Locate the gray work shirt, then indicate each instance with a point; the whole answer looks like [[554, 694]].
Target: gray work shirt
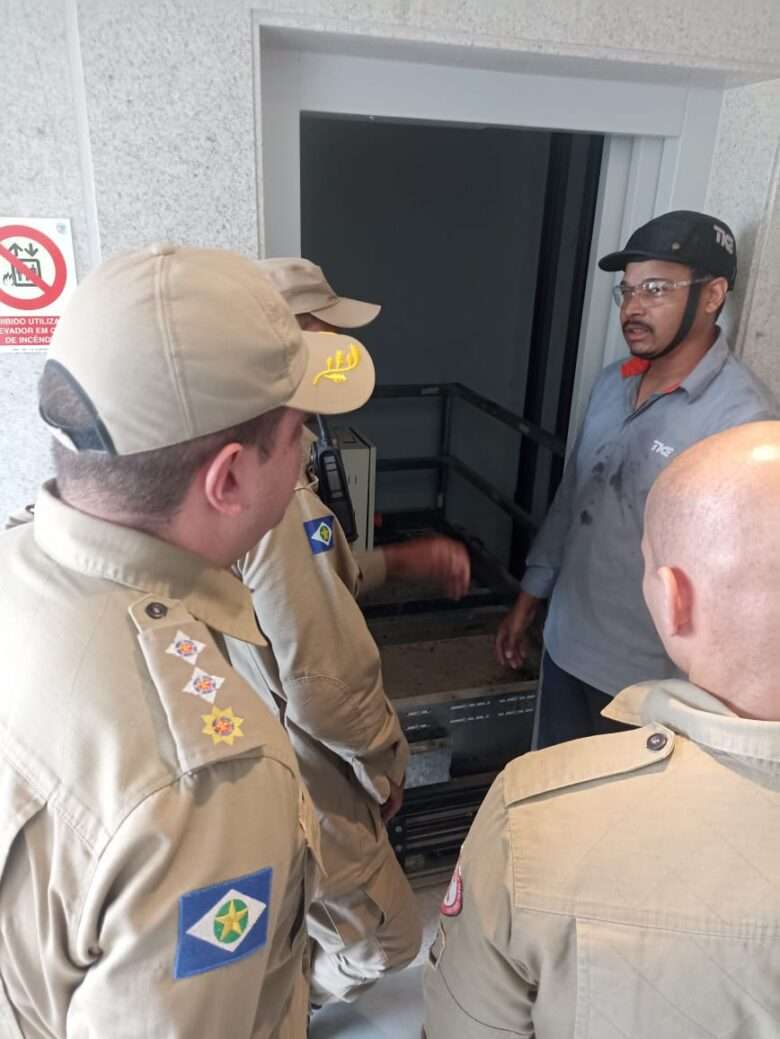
[[587, 555]]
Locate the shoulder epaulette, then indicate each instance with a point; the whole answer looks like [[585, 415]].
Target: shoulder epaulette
[[582, 761], [212, 712]]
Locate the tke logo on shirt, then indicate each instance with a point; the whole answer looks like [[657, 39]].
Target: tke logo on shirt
[[662, 449]]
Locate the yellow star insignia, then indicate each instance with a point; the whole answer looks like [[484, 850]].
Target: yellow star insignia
[[231, 921], [222, 725]]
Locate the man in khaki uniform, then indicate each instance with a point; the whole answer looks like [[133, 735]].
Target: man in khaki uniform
[[157, 843], [629, 884], [325, 679]]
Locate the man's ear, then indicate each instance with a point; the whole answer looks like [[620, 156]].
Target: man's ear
[[221, 483], [715, 295], [676, 604]]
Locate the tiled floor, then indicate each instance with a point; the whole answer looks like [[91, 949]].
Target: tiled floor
[[393, 1008]]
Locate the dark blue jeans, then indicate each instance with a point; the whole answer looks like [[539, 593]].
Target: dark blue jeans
[[569, 708]]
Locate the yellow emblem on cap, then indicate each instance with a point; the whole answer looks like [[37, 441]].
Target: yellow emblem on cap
[[339, 365], [222, 725]]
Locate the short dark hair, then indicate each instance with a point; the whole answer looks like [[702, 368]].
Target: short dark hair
[[150, 485]]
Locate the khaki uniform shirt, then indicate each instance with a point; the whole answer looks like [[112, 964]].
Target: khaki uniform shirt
[[625, 885], [153, 829], [324, 676], [20, 517]]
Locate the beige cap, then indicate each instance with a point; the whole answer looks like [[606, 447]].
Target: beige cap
[[171, 343], [306, 291]]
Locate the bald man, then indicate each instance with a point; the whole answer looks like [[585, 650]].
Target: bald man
[[629, 884]]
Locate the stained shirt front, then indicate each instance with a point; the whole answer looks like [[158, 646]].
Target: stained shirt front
[[587, 557]]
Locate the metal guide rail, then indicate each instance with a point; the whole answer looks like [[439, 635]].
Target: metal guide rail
[[495, 581], [464, 715]]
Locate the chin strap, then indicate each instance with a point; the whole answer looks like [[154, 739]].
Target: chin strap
[[694, 294]]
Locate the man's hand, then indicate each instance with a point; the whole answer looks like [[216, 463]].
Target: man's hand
[[438, 559], [392, 805], [512, 642]]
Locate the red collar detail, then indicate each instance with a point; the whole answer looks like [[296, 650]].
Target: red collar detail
[[634, 366]]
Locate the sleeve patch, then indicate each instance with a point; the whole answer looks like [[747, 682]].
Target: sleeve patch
[[320, 534], [222, 923], [452, 905]]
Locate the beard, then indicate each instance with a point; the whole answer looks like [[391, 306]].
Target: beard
[[639, 347]]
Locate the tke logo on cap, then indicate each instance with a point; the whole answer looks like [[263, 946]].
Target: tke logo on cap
[[724, 239]]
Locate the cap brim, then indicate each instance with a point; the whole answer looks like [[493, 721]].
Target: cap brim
[[348, 313], [339, 375], [618, 261]]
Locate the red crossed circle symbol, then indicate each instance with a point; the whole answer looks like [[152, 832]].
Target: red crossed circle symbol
[[49, 293]]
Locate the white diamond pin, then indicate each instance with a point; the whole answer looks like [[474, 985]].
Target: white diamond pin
[[204, 685], [186, 648]]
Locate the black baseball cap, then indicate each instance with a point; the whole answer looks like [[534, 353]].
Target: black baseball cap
[[683, 236]]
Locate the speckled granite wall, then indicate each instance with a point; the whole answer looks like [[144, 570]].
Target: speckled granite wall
[[759, 335], [743, 191], [171, 118], [41, 177], [136, 120]]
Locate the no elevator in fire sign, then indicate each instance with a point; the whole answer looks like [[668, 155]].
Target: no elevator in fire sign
[[37, 274]]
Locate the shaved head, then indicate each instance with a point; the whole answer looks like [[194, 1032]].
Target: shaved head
[[719, 502], [712, 555]]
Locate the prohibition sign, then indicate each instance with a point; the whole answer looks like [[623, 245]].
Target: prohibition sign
[[49, 293]]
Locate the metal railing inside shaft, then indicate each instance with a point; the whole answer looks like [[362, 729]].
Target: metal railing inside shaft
[[446, 462]]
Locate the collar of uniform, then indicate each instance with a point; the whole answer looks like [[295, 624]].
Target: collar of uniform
[[707, 369], [137, 560], [307, 481], [694, 384], [634, 366], [699, 715]]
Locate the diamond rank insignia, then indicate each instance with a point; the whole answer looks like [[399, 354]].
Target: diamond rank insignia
[[320, 534], [186, 648], [203, 684], [222, 725], [222, 923]]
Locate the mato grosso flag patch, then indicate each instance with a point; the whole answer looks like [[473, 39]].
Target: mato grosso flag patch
[[320, 534], [223, 923]]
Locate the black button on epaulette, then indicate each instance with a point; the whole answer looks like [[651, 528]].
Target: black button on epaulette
[[156, 610], [657, 741]]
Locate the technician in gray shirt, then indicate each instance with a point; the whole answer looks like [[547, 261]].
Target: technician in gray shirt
[[681, 384]]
